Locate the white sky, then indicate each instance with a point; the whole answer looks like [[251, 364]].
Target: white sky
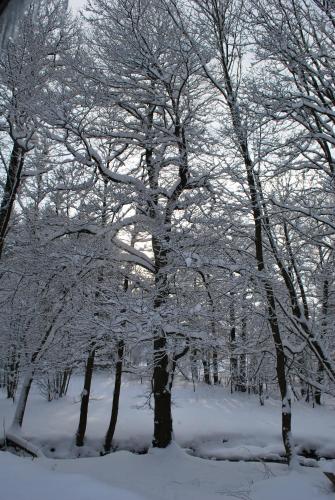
[[76, 4]]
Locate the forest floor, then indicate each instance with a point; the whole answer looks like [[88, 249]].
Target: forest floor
[[209, 423]]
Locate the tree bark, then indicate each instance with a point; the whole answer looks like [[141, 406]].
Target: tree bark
[[231, 96], [66, 375], [162, 395], [10, 190], [12, 372], [85, 398], [243, 358], [116, 397], [22, 401], [325, 303], [233, 357], [215, 367], [194, 365], [205, 363]]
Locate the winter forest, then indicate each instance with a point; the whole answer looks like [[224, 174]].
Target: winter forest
[[167, 222]]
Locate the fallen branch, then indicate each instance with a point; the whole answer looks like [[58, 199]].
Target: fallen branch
[[331, 476], [21, 444]]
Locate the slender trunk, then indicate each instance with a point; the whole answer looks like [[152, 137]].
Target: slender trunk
[[243, 358], [213, 333], [22, 401], [231, 95], [300, 315], [66, 376], [318, 392], [215, 367], [272, 312], [10, 190], [194, 365], [233, 357], [281, 375], [270, 298], [85, 398], [325, 302], [116, 396], [205, 363], [175, 358], [261, 392], [37, 354], [12, 373], [267, 285], [85, 395], [226, 85]]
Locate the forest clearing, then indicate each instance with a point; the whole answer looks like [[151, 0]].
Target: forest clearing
[[225, 446]]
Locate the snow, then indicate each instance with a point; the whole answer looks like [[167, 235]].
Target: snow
[[293, 486], [168, 474], [23, 479], [210, 423]]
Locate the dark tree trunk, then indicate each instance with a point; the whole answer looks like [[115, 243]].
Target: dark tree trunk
[[261, 392], [318, 392], [325, 303], [65, 382], [3, 6], [116, 397], [161, 248], [175, 358], [162, 395], [10, 190], [205, 280], [281, 374], [85, 398], [12, 373], [233, 357], [207, 375], [160, 378], [231, 95], [194, 365], [161, 374], [215, 367], [243, 358]]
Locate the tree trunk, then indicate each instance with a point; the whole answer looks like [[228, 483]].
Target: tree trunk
[[162, 395], [161, 249], [230, 93], [10, 190], [318, 392], [12, 373], [116, 397], [66, 375], [194, 365], [243, 358], [175, 358], [25, 389], [22, 401], [85, 398], [215, 367], [233, 357], [325, 303], [207, 375]]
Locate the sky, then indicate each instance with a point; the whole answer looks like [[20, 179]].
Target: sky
[[76, 4]]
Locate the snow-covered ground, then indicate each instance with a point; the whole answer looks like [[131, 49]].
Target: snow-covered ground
[[211, 421], [168, 474]]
